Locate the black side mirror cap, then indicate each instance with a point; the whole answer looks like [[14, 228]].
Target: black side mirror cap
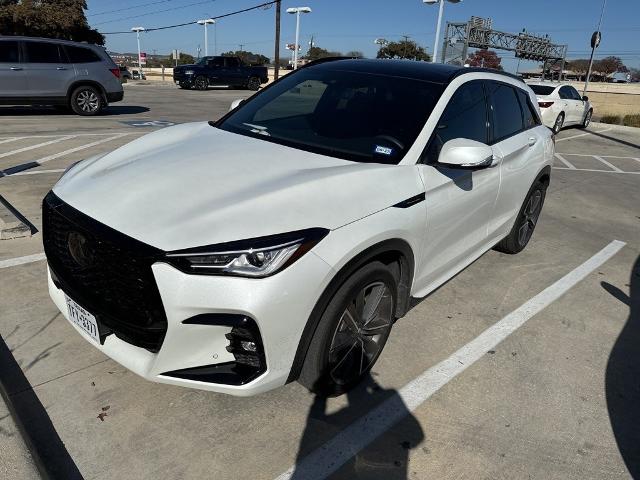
[[585, 98]]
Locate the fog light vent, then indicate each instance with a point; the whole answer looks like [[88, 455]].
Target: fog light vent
[[246, 345]]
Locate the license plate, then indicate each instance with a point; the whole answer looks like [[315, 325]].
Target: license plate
[[83, 319]]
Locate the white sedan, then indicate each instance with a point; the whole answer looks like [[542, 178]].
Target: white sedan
[[282, 241], [561, 105]]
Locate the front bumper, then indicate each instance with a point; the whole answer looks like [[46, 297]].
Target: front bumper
[[280, 306]]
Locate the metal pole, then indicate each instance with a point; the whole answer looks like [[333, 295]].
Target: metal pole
[[593, 49], [295, 49], [215, 38], [139, 59], [206, 41], [276, 60], [435, 43]]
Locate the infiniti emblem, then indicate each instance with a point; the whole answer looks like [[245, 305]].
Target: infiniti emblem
[[79, 249]]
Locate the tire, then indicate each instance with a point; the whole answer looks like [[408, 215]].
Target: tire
[[86, 101], [201, 83], [557, 125], [526, 220], [342, 350], [253, 84], [587, 119]]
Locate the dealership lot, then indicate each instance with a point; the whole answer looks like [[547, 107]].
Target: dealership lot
[[556, 399]]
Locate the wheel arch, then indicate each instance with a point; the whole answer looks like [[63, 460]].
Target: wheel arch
[[544, 176], [87, 83], [394, 252]]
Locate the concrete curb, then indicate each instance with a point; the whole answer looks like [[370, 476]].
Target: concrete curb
[[616, 128]]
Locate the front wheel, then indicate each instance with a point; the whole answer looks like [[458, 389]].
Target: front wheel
[[587, 119], [352, 331], [201, 83], [253, 83], [557, 125], [526, 220]]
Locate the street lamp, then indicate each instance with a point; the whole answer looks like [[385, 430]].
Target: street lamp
[[435, 43], [205, 22], [138, 30], [297, 11]]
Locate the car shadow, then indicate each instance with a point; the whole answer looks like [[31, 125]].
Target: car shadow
[[111, 110], [613, 139], [622, 380], [391, 462]]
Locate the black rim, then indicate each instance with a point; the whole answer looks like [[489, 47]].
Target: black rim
[[201, 83], [361, 333], [530, 217]]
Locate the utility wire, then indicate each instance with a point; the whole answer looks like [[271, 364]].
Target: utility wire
[[195, 21], [128, 8], [155, 12]]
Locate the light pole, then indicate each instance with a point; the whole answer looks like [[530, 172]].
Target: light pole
[[297, 11], [595, 42], [138, 30], [440, 12], [205, 22]]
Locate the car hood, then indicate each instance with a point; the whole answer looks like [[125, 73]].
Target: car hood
[[193, 184]]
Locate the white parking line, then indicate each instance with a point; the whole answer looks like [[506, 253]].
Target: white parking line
[[563, 160], [12, 262], [81, 147], [583, 134], [11, 139], [38, 145], [328, 458], [591, 155], [611, 166], [37, 172], [595, 170]]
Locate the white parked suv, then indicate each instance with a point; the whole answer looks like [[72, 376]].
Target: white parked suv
[[283, 241], [561, 105]]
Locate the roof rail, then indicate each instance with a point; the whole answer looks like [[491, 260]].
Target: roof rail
[[464, 70]]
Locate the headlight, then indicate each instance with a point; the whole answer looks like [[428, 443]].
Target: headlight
[[188, 72], [257, 257]]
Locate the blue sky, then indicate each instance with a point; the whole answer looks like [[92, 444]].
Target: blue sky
[[354, 24]]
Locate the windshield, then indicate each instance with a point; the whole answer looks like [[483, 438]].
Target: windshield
[[356, 116], [542, 89]]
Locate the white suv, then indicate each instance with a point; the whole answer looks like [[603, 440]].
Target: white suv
[[284, 240]]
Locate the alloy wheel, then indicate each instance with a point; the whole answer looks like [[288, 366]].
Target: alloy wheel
[[558, 125], [587, 119], [530, 217], [88, 101], [201, 83], [361, 333]]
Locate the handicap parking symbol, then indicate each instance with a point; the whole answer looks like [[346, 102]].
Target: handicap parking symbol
[[148, 123]]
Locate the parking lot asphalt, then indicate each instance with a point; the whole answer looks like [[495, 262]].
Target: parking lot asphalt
[[556, 399]]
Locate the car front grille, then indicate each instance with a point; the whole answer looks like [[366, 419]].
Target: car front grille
[[107, 272]]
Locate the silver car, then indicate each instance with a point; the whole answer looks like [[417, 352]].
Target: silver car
[[44, 71]]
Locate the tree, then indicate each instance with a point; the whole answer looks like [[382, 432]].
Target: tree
[[609, 65], [403, 49], [48, 18], [316, 53], [185, 59], [580, 67], [485, 59], [354, 54], [249, 58]]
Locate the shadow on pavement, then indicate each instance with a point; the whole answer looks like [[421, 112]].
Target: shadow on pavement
[[623, 377], [389, 462], [39, 434], [111, 110], [613, 139]]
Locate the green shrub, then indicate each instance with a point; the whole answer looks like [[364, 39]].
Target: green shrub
[[632, 120], [614, 119]]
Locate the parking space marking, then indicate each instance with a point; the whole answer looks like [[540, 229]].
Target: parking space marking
[[12, 262], [595, 170], [81, 147], [39, 172], [328, 458], [583, 134], [26, 137], [563, 160], [37, 145], [611, 166], [11, 139]]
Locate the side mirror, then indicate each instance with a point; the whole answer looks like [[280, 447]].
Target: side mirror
[[465, 153], [585, 98], [236, 103]]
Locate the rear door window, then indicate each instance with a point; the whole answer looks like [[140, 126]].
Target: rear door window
[[506, 115], [43, 52], [575, 94], [81, 54], [565, 93], [231, 62], [9, 52]]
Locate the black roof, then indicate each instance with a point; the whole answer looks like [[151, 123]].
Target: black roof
[[416, 70]]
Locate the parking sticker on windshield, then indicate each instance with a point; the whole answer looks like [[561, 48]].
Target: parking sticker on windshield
[[383, 150]]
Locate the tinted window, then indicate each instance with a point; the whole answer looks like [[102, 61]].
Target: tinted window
[[542, 89], [232, 62], [9, 52], [42, 52], [529, 116], [565, 93], [81, 55], [507, 116], [464, 117], [575, 94], [216, 62], [350, 115]]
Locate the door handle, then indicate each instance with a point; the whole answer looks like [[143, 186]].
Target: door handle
[[61, 68], [532, 141], [15, 69]]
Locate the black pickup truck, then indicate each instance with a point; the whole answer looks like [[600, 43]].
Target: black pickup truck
[[219, 71]]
